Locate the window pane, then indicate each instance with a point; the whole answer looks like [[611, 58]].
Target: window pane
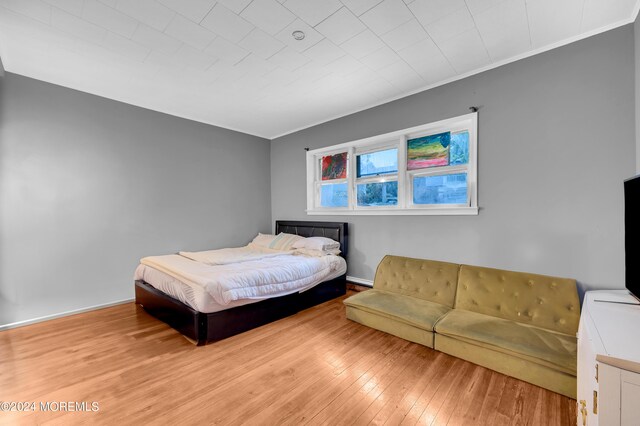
[[334, 195], [459, 150], [378, 194], [443, 189], [334, 166], [428, 151], [377, 163]]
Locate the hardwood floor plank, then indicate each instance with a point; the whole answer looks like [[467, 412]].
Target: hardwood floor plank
[[296, 372], [467, 410], [325, 392], [251, 376], [488, 410], [447, 394], [390, 400], [470, 412], [312, 396], [425, 379], [315, 367], [413, 416], [394, 391], [510, 404], [568, 412], [358, 396], [529, 403]]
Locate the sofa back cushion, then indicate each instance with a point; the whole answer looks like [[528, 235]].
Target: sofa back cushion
[[539, 300], [423, 279]]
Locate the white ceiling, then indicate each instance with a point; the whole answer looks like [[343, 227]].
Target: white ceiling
[[234, 63]]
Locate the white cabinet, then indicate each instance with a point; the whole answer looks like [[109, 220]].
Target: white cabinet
[[588, 346], [609, 359], [630, 397]]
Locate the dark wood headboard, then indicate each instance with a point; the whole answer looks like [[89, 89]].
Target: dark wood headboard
[[338, 231]]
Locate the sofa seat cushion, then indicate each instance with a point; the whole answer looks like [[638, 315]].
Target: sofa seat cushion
[[545, 347], [410, 310]]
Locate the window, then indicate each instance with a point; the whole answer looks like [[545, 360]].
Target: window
[[429, 169], [377, 177], [378, 163], [334, 190]]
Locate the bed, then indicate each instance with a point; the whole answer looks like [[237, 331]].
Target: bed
[[239, 316]]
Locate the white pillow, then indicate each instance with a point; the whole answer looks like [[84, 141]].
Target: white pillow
[[317, 253], [317, 243], [263, 240], [284, 241]]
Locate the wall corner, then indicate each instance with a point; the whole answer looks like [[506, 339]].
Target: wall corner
[[636, 51]]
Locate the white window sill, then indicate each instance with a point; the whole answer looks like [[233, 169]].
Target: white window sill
[[444, 211]]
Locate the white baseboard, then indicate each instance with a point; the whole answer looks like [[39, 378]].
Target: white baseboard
[[360, 281], [62, 314]]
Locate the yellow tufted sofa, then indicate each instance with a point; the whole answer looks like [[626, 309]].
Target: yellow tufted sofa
[[519, 324]]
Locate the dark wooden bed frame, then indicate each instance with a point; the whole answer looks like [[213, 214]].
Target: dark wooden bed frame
[[202, 328]]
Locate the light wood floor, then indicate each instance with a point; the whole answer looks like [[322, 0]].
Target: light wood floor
[[313, 368]]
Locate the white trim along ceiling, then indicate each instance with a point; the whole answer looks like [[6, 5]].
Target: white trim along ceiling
[[236, 64]]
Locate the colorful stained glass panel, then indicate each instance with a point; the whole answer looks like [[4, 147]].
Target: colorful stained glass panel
[[334, 166], [428, 151]]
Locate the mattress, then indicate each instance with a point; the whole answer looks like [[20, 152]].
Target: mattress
[[199, 299]]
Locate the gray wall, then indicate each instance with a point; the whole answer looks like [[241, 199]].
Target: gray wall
[[88, 186], [556, 140], [1, 68], [636, 34]]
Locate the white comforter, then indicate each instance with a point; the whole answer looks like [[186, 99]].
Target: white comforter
[[266, 277], [226, 256]]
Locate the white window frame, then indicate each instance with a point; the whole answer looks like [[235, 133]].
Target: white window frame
[[398, 139], [367, 149]]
